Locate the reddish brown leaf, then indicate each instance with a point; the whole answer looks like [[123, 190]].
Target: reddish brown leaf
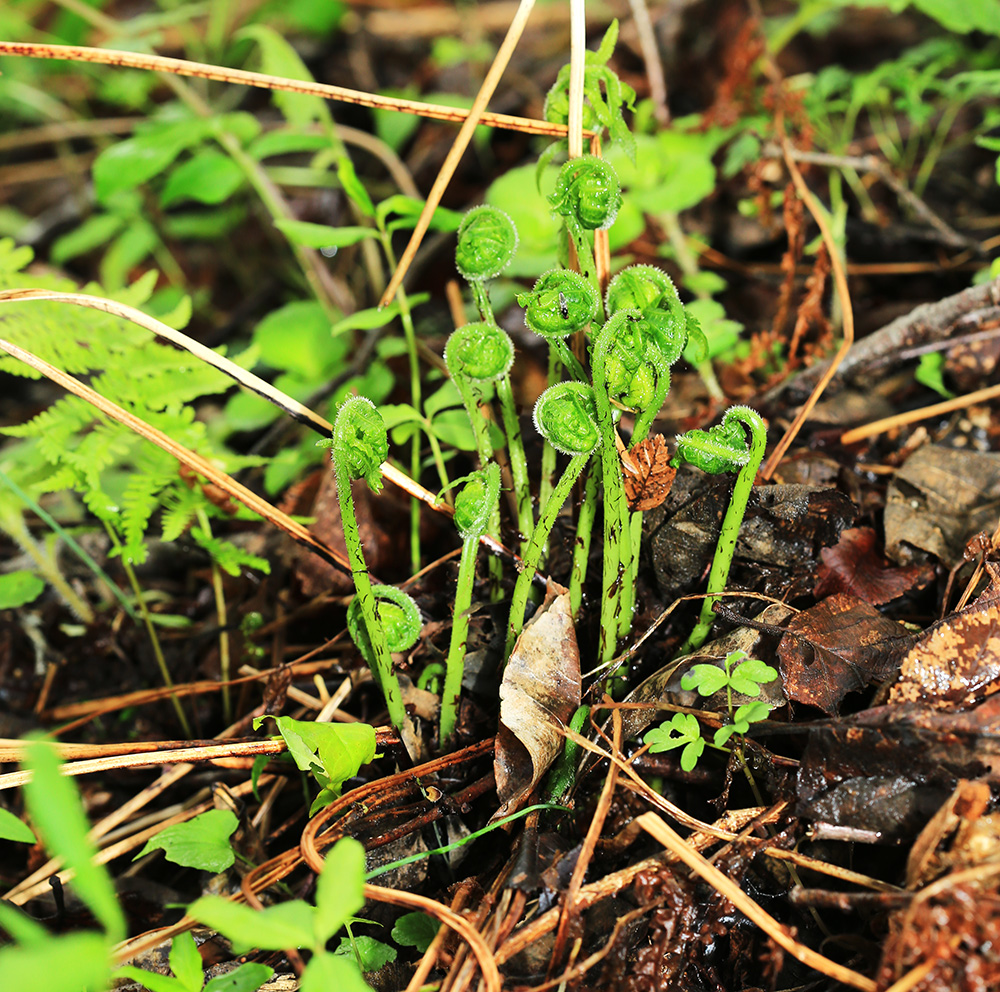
[[853, 566], [648, 473], [956, 661], [842, 645]]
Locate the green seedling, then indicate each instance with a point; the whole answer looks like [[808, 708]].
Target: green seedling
[[588, 197], [201, 842], [566, 417], [724, 448], [637, 371], [339, 896], [330, 752], [739, 674], [474, 507], [359, 446]]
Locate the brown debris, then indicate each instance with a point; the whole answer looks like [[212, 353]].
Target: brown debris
[[648, 474]]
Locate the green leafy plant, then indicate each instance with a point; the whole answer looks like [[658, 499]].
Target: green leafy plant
[[724, 448], [739, 674], [201, 842], [331, 752], [339, 896]]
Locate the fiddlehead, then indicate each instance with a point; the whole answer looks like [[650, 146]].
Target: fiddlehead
[[724, 448], [474, 508], [359, 446], [566, 415], [479, 351], [560, 303], [398, 615], [487, 241]]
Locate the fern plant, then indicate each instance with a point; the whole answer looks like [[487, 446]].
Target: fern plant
[[122, 480]]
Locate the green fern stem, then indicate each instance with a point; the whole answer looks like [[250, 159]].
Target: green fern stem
[[539, 536], [220, 610], [731, 523], [518, 460], [584, 533], [382, 670], [455, 662]]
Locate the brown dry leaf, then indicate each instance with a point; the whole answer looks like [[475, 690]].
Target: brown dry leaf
[[648, 473], [538, 695], [939, 499], [853, 566], [843, 644], [956, 661]]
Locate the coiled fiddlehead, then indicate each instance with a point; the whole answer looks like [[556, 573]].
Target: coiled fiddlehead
[[398, 615], [566, 416], [487, 241], [359, 446], [480, 353], [474, 508], [588, 197], [560, 303], [724, 448]]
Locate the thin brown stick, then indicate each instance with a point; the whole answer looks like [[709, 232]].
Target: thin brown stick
[[243, 77], [923, 413], [462, 139], [651, 58], [726, 887]]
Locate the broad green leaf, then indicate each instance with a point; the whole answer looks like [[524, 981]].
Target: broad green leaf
[[373, 954], [246, 978], [415, 930], [278, 58], [61, 964], [353, 186], [289, 924], [94, 232], [134, 161], [537, 230], [372, 317], [202, 842], [16, 589], [327, 972], [707, 679], [287, 141], [185, 962], [340, 888], [394, 414], [444, 398], [296, 338], [209, 176], [302, 232], [57, 814]]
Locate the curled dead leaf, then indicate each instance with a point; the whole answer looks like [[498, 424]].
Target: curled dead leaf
[[648, 474]]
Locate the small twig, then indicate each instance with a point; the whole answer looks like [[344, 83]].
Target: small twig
[[923, 413], [651, 57], [462, 139]]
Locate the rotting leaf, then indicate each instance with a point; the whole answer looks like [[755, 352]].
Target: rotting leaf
[[853, 566], [843, 644], [956, 661], [938, 500], [539, 692], [648, 474]]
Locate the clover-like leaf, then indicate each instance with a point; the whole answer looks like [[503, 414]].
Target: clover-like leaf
[[707, 679], [746, 677], [682, 730]]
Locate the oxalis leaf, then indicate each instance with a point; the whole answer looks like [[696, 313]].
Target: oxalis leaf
[[682, 730], [202, 842]]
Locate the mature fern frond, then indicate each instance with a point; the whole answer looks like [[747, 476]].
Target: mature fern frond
[[121, 478]]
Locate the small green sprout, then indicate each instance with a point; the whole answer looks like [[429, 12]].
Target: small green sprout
[[566, 417], [724, 448], [739, 674], [474, 507], [359, 446]]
